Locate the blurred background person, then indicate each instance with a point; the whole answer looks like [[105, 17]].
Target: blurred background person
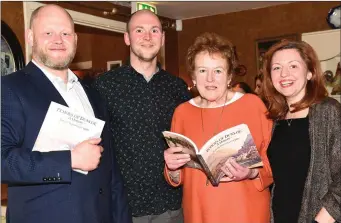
[[245, 196], [242, 87], [305, 150], [258, 83]]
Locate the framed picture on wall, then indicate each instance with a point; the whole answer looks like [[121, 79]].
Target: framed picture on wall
[[333, 79], [12, 57], [113, 64], [262, 45]]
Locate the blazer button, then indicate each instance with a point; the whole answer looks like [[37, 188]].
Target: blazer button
[[49, 179], [44, 179], [100, 191], [54, 179], [59, 178]]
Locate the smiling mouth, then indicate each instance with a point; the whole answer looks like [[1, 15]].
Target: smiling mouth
[[285, 84], [58, 49], [147, 46], [211, 87]]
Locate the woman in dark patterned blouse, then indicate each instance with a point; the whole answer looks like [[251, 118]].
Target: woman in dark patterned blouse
[[304, 153]]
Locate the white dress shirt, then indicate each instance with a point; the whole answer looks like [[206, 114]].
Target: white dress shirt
[[72, 92]]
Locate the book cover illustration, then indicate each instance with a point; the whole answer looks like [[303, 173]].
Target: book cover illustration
[[187, 145], [238, 145], [233, 143]]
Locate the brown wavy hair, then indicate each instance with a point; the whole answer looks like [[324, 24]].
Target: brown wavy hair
[[315, 89], [259, 77], [213, 44]]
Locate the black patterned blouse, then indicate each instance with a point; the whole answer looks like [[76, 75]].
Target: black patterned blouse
[[140, 111]]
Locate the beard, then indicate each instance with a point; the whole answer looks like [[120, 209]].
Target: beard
[[56, 64], [144, 56]]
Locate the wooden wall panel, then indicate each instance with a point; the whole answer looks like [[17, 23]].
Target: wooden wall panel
[[12, 14], [171, 52], [99, 46], [244, 27], [84, 49], [108, 46]]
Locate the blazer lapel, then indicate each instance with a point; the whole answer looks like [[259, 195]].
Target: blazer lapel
[[43, 84], [47, 90]]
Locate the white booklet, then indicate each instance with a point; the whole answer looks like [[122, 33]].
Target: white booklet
[[63, 128]]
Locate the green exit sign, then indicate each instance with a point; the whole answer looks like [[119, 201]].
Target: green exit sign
[[146, 6]]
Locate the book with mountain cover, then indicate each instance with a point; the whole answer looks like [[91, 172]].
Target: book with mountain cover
[[235, 142]]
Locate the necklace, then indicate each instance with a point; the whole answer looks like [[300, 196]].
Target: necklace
[[289, 122], [219, 119], [217, 127]]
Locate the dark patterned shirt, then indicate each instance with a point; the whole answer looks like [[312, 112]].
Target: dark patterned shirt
[[140, 111]]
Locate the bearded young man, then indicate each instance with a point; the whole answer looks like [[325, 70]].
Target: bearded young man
[[42, 187], [142, 98]]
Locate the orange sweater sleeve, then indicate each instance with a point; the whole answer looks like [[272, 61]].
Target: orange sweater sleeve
[[169, 180], [175, 127], [265, 174]]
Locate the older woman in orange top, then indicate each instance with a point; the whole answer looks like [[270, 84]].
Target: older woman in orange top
[[244, 196]]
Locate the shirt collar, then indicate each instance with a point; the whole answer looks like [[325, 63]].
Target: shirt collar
[[158, 65], [72, 78], [158, 68]]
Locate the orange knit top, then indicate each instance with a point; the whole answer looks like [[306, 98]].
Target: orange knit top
[[246, 201]]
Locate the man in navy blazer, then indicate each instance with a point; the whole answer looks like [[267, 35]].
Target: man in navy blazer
[[42, 187]]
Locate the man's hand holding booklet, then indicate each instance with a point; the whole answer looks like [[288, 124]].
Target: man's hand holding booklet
[[64, 128]]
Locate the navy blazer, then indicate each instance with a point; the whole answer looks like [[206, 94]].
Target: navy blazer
[[42, 186]]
